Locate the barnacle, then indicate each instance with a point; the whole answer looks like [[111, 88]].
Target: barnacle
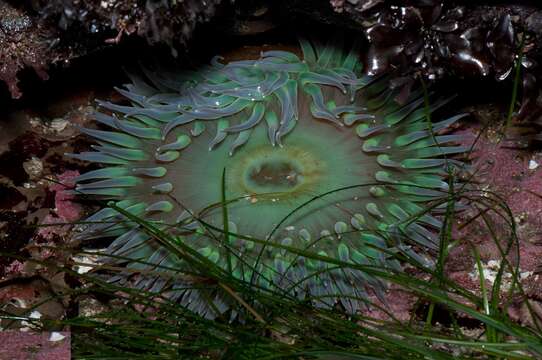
[[308, 134]]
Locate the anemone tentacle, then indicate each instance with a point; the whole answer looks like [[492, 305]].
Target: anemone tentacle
[[286, 130]]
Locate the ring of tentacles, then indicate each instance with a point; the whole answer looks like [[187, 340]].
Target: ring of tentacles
[[309, 153]]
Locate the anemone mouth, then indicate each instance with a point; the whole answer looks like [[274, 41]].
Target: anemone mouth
[[279, 173], [274, 175], [316, 157]]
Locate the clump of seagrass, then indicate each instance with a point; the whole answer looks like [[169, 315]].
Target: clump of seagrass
[[286, 130]]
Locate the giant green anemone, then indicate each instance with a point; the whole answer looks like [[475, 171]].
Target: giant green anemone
[[309, 155]]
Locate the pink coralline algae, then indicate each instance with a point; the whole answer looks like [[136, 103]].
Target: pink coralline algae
[[65, 207], [15, 267], [507, 173], [67, 210]]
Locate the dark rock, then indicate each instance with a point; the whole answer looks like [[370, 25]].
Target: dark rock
[[41, 33], [9, 197], [15, 233]]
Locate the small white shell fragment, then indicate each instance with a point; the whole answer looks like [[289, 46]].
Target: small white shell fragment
[[533, 165], [56, 336], [35, 315]]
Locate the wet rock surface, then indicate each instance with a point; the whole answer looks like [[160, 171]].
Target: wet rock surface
[[465, 38], [23, 44], [44, 35]]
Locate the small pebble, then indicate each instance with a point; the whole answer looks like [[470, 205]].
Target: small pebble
[[533, 165], [58, 125], [33, 167]]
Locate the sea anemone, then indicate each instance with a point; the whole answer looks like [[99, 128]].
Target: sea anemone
[[309, 155]]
